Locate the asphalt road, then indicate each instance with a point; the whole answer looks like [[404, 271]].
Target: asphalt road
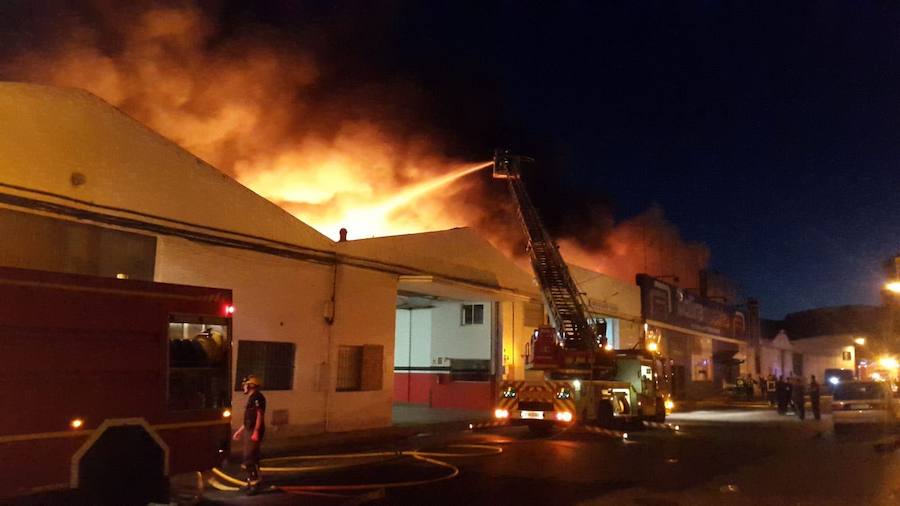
[[718, 457]]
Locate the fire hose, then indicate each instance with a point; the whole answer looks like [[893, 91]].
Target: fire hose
[[424, 456]]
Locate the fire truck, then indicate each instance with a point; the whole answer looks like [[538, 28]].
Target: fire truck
[[108, 386], [573, 375]]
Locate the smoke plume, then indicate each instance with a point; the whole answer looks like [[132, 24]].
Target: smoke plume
[[271, 109]]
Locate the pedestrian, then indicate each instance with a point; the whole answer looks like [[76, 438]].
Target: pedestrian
[[253, 430], [798, 392], [814, 392], [748, 387], [789, 392], [770, 389], [781, 397]]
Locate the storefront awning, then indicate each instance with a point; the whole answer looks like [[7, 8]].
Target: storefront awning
[[727, 357]]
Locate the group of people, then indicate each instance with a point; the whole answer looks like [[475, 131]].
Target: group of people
[[790, 395], [786, 393]]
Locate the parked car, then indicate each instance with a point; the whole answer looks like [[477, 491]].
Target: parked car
[[864, 402]]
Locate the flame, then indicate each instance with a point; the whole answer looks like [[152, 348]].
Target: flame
[[380, 216]]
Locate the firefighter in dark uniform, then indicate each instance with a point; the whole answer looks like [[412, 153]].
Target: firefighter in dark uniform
[[253, 430], [814, 394]]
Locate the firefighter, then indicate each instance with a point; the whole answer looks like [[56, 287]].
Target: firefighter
[[814, 392], [253, 430], [798, 392], [781, 395]]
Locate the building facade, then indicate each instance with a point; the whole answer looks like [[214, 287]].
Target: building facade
[[848, 338], [706, 342]]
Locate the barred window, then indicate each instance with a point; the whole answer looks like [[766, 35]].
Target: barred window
[[271, 362], [472, 314], [360, 368]]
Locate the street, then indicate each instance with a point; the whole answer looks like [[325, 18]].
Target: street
[[717, 457]]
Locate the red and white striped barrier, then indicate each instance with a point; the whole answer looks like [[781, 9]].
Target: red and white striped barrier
[[657, 425], [606, 432], [487, 425]]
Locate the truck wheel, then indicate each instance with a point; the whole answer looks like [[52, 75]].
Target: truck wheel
[[660, 416], [605, 416]]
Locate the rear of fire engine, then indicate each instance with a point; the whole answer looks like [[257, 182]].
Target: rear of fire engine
[[109, 385], [574, 376]]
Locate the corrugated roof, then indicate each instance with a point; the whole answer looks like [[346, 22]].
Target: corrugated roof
[[49, 133], [458, 253]]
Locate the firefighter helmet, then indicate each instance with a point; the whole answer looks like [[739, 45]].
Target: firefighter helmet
[[251, 380]]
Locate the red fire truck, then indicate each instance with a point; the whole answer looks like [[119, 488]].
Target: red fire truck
[[108, 386], [574, 375]]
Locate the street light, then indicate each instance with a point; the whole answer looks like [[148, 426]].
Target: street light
[[860, 341], [893, 287]]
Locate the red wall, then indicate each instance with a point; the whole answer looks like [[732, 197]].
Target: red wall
[[437, 391]]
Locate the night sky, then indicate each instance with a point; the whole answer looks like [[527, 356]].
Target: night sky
[[767, 130]]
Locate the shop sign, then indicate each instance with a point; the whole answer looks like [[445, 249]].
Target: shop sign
[[667, 303]]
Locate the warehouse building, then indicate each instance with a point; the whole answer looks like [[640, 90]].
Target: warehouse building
[[86, 189]]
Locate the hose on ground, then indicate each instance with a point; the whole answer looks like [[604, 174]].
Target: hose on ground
[[424, 456]]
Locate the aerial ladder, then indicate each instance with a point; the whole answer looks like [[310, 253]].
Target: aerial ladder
[[583, 378]]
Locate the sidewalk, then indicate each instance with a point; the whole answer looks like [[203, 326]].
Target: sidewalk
[[408, 420], [731, 403], [719, 403]]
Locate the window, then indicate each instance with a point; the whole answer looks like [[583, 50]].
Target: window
[[198, 364], [271, 362], [472, 314], [470, 369], [360, 368]]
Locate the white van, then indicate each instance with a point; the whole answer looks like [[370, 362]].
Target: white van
[[864, 402]]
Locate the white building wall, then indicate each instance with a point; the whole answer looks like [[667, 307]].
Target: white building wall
[[816, 364], [416, 323], [775, 361], [452, 339], [826, 352], [285, 300], [364, 313]]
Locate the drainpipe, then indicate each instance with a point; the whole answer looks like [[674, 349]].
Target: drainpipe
[[409, 359], [329, 320]]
